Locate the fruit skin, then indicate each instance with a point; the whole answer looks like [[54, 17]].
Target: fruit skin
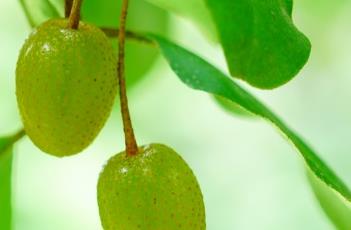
[[154, 190], [65, 84]]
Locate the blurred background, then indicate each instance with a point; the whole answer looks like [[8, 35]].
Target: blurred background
[[250, 176]]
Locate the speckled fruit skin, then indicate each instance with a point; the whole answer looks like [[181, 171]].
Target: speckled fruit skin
[[65, 84], [154, 190]]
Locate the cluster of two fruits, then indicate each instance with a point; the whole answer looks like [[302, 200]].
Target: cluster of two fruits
[[66, 84]]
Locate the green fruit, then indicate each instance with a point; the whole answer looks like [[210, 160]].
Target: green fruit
[[154, 190], [65, 84]]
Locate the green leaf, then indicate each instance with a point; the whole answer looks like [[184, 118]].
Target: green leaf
[[5, 183], [231, 107], [39, 11], [199, 74], [335, 206], [261, 44], [195, 10], [142, 16]]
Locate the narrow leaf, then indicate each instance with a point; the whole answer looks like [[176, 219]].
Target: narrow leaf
[[335, 206], [199, 74], [39, 11], [261, 44], [5, 183]]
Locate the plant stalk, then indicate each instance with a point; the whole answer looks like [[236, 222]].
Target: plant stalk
[[68, 7], [74, 17], [130, 142], [12, 140]]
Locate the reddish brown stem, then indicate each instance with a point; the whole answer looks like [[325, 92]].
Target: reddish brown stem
[[74, 17], [68, 7], [131, 145]]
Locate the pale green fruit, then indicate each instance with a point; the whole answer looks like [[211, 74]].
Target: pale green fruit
[[154, 190], [65, 84]]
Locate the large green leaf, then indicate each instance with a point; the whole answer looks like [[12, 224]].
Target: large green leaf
[[195, 10], [199, 74], [261, 44], [38, 11], [142, 16], [5, 183], [335, 206]]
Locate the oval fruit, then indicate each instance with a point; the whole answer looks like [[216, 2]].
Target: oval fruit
[[155, 190], [65, 84]]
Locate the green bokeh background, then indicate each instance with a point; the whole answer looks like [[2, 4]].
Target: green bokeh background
[[250, 177]]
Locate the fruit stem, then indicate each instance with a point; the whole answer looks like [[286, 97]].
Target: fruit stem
[[131, 145], [68, 7], [73, 21]]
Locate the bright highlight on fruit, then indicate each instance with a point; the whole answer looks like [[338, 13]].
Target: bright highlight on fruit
[[65, 85], [154, 189]]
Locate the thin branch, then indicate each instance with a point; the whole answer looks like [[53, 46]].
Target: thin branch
[[131, 145], [12, 140], [74, 17], [113, 32], [68, 7]]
